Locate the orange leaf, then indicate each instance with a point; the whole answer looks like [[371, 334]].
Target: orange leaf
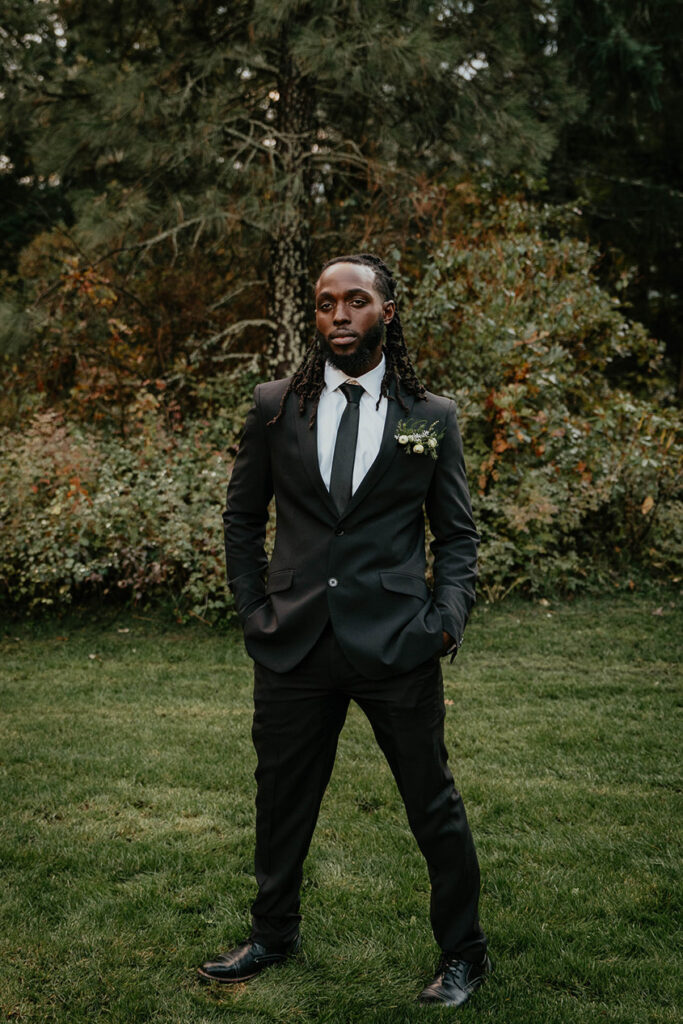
[[647, 504]]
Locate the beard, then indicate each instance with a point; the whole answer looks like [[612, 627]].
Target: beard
[[356, 363]]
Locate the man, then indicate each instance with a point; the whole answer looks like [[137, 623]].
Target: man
[[353, 448]]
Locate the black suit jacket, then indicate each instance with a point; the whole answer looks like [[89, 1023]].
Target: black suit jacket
[[365, 569]]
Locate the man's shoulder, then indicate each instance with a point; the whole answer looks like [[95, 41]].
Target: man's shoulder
[[435, 405], [268, 394], [273, 388]]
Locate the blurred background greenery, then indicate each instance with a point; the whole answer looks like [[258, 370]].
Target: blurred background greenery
[[172, 175]]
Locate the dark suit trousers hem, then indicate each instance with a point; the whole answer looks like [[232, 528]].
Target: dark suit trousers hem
[[298, 716]]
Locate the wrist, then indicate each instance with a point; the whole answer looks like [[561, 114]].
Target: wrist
[[450, 645]]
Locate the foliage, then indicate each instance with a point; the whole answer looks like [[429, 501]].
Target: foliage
[[169, 128], [623, 158], [90, 345], [171, 175], [573, 452], [90, 516], [193, 154], [575, 466]]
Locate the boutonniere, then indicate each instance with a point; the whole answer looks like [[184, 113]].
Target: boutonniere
[[416, 436]]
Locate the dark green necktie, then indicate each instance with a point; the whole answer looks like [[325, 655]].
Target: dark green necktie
[[341, 480]]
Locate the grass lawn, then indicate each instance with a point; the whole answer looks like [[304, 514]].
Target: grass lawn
[[126, 831]]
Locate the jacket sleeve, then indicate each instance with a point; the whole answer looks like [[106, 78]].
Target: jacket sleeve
[[246, 514], [455, 538]]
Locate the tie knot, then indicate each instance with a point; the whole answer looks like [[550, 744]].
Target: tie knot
[[352, 392]]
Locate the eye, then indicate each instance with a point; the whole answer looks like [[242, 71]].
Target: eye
[[324, 306], [358, 302]]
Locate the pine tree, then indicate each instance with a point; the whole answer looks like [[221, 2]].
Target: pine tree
[[179, 124], [624, 157], [29, 203]]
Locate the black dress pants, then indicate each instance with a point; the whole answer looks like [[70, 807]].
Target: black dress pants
[[298, 716]]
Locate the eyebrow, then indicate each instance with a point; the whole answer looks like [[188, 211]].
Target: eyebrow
[[351, 291]]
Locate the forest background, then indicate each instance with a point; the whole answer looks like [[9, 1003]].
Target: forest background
[[172, 176]]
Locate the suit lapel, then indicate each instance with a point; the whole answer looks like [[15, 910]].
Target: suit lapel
[[308, 448], [387, 451]]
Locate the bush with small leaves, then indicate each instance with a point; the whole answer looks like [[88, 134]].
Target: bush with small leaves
[[573, 451], [90, 516]]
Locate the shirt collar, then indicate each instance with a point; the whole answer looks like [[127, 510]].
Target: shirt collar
[[371, 381]]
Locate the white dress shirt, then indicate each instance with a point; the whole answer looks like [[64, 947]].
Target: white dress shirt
[[370, 421]]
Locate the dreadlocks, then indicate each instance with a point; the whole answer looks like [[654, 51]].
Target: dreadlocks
[[308, 379]]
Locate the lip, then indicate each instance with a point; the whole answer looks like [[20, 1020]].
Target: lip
[[342, 339]]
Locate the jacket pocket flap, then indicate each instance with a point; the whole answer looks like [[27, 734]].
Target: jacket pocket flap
[[280, 580], [402, 584]]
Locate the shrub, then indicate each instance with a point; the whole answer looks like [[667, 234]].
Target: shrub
[[86, 515], [574, 456], [573, 477]]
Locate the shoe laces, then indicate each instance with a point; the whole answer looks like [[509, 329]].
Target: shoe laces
[[449, 960]]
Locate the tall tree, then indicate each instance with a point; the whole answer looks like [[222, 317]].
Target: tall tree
[[29, 202], [167, 122], [624, 157]]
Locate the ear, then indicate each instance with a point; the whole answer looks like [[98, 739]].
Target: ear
[[388, 310]]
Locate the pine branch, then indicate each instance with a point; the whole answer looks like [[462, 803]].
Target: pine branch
[[225, 299], [231, 331]]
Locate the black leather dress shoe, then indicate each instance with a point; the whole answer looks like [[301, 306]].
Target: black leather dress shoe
[[246, 961], [455, 981]]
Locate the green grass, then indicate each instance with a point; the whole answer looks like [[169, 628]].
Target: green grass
[[126, 836]]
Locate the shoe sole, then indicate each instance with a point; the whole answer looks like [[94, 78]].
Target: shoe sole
[[203, 976], [226, 981]]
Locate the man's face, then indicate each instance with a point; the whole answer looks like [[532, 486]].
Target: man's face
[[350, 317]]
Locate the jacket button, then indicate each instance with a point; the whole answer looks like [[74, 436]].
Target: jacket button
[[333, 582], [339, 532]]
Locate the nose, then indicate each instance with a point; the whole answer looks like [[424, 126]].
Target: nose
[[340, 315]]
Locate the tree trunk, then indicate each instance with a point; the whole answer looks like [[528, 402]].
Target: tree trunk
[[291, 307], [290, 288]]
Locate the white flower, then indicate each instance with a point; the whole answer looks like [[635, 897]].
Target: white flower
[[416, 436]]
